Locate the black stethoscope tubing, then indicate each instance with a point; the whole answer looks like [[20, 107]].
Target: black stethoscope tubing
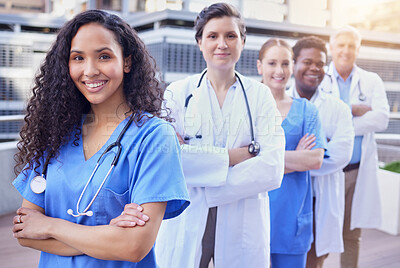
[[198, 136], [117, 144]]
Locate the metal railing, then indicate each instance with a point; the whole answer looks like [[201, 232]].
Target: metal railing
[[12, 118]]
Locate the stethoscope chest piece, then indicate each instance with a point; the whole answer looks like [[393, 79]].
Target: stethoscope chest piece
[[38, 184], [362, 97]]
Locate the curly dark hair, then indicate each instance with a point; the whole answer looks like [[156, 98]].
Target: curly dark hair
[[309, 42], [55, 110]]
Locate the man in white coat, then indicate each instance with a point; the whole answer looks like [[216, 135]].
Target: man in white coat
[[364, 92], [310, 56]]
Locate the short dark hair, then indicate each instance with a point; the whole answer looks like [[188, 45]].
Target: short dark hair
[[218, 10], [309, 42]]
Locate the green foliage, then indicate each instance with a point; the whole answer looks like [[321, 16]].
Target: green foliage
[[393, 166]]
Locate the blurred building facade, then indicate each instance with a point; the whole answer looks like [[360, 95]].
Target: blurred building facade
[[305, 12], [166, 26], [383, 15], [22, 6], [373, 15]]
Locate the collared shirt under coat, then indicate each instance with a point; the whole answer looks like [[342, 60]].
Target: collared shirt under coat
[[366, 207]]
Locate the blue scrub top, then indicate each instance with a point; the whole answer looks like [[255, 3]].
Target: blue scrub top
[[291, 204], [149, 170]]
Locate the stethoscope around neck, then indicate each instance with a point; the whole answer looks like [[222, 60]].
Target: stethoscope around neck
[[361, 95], [254, 147], [38, 184]]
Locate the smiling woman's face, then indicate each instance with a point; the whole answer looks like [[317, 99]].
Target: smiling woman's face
[[96, 64], [276, 67]]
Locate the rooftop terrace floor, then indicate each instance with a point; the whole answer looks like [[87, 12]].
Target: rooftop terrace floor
[[378, 250]]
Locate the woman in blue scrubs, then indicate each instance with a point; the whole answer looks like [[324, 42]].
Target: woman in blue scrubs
[[97, 86], [291, 204]]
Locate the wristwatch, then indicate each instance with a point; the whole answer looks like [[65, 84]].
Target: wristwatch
[[254, 148]]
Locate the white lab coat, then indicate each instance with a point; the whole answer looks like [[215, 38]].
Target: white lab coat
[[336, 120], [366, 207], [239, 192]]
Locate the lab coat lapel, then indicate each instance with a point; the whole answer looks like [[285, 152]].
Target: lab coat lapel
[[198, 117], [319, 98], [333, 87], [292, 92], [354, 90], [239, 124]]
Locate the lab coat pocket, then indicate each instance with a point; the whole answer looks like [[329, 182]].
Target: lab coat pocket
[[255, 229], [109, 205], [304, 224]]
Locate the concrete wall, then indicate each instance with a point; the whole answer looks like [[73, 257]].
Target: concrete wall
[[389, 187], [10, 199], [388, 147]]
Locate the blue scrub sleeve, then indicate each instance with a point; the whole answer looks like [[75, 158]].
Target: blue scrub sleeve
[[158, 173], [22, 184], [313, 126]]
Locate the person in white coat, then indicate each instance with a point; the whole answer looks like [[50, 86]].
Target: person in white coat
[[328, 181], [227, 180], [229, 160], [364, 92]]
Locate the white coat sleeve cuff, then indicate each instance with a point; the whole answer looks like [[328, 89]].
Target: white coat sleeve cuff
[[205, 166]]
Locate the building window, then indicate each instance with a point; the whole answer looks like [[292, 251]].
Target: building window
[[115, 5]]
